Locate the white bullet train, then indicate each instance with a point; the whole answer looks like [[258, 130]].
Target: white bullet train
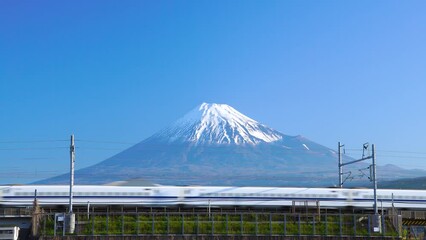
[[200, 196]]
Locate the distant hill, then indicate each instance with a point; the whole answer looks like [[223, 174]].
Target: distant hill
[[214, 144], [406, 183]]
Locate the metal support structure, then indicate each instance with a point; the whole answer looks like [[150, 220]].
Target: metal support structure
[[209, 209], [377, 222], [71, 216], [72, 161], [373, 178], [88, 209], [340, 164]]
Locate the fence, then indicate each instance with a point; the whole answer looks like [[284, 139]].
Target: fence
[[219, 224]]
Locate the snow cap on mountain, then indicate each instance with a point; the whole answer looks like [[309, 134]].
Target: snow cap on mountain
[[211, 123]]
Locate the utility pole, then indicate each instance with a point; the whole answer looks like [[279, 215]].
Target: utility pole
[[339, 146], [72, 161], [71, 216], [35, 220], [376, 213]]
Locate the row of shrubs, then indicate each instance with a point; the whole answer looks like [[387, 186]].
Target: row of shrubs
[[218, 224]]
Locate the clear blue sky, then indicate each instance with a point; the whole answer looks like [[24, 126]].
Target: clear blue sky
[[349, 71]]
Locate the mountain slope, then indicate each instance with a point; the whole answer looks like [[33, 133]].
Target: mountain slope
[[214, 144]]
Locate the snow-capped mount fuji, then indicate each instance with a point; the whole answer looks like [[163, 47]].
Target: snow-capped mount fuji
[[214, 144], [217, 124]]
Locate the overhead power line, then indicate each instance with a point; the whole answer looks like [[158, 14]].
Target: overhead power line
[[388, 151], [106, 142], [34, 141], [32, 148]]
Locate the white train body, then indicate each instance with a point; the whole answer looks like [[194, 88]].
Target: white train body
[[200, 196]]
